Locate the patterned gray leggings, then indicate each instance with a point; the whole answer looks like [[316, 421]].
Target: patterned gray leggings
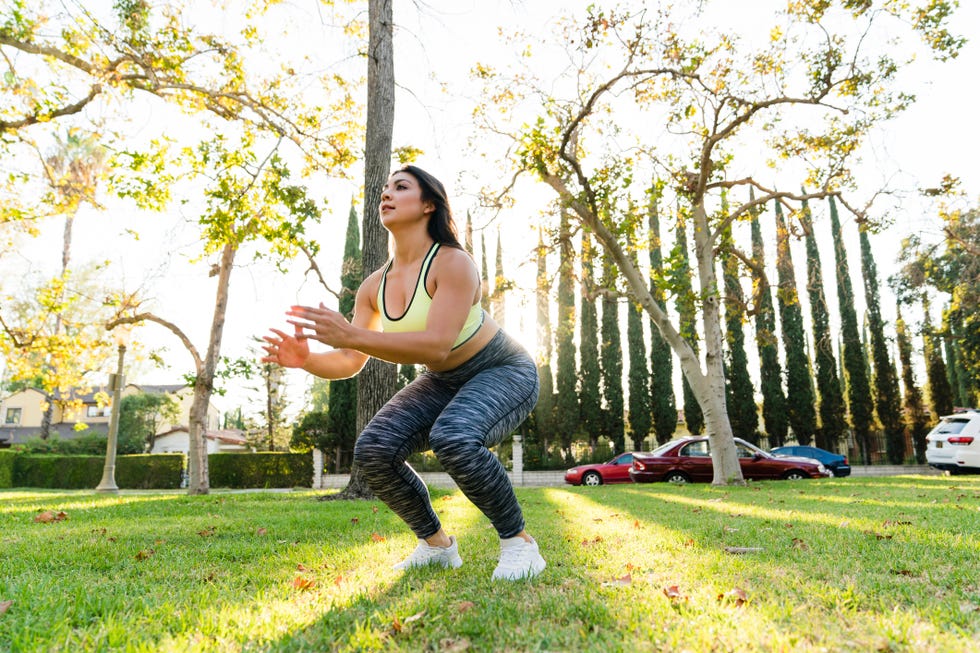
[[458, 414]]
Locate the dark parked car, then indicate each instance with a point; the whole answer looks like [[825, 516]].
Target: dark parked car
[[688, 460], [616, 470], [836, 463]]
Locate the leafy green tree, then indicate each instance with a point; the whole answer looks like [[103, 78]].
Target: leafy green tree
[[739, 395], [590, 398], [686, 304], [721, 98], [485, 279], [140, 417], [888, 400], [611, 360], [951, 268], [951, 352], [662, 401], [566, 402], [498, 299], [773, 400], [800, 402], [917, 420], [833, 419], [859, 399]]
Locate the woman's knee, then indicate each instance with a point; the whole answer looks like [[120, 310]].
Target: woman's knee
[[372, 450]]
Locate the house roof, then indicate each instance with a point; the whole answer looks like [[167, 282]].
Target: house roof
[[65, 431], [228, 436]]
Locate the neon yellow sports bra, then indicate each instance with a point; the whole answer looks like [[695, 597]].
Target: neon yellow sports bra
[[417, 311]]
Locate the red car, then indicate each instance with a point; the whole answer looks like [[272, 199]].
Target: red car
[[688, 460], [616, 470]]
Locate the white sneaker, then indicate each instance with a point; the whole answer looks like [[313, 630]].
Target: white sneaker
[[426, 554], [519, 559]]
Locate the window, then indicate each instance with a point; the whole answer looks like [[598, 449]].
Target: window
[[12, 416], [97, 411], [699, 448]]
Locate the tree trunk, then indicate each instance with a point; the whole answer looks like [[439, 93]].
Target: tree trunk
[[710, 388], [376, 382], [197, 457]]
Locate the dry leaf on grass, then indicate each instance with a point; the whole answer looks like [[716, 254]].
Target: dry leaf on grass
[[143, 554], [736, 596], [261, 531], [49, 516], [355, 520], [673, 593], [465, 606], [594, 540], [800, 544], [397, 625], [302, 583], [619, 582], [375, 537], [5, 605]]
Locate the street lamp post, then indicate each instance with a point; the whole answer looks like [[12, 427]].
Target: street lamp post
[[116, 382]]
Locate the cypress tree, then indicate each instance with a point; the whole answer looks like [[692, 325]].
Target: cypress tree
[[662, 401], [855, 364], [953, 372], [639, 376], [590, 402], [500, 285], [544, 412], [888, 400], [686, 308], [800, 402], [567, 408], [770, 372], [342, 403], [917, 421], [484, 278], [611, 359], [739, 393], [940, 393], [833, 423]]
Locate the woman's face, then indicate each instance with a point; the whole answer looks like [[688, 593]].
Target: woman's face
[[401, 201]]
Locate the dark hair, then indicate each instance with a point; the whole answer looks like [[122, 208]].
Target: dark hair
[[442, 228]]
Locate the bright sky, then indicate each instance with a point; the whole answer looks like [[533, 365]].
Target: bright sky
[[437, 42]]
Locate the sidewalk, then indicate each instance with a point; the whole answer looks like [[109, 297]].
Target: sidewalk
[[557, 477]]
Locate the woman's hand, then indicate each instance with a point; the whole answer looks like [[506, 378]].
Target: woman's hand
[[286, 350], [321, 324]]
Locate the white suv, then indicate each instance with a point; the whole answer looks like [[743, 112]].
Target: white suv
[[954, 445]]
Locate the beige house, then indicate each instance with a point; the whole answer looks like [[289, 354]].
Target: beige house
[[21, 414]]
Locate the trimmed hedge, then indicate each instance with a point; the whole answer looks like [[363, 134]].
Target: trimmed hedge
[[260, 470], [150, 471], [7, 458], [141, 471]]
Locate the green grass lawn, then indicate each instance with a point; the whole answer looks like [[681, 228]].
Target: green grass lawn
[[863, 564]]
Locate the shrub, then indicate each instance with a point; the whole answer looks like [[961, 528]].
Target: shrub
[[51, 471], [150, 471], [7, 458], [260, 470], [141, 471]]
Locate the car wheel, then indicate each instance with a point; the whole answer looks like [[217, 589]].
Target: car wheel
[[676, 478], [591, 478], [795, 475]]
